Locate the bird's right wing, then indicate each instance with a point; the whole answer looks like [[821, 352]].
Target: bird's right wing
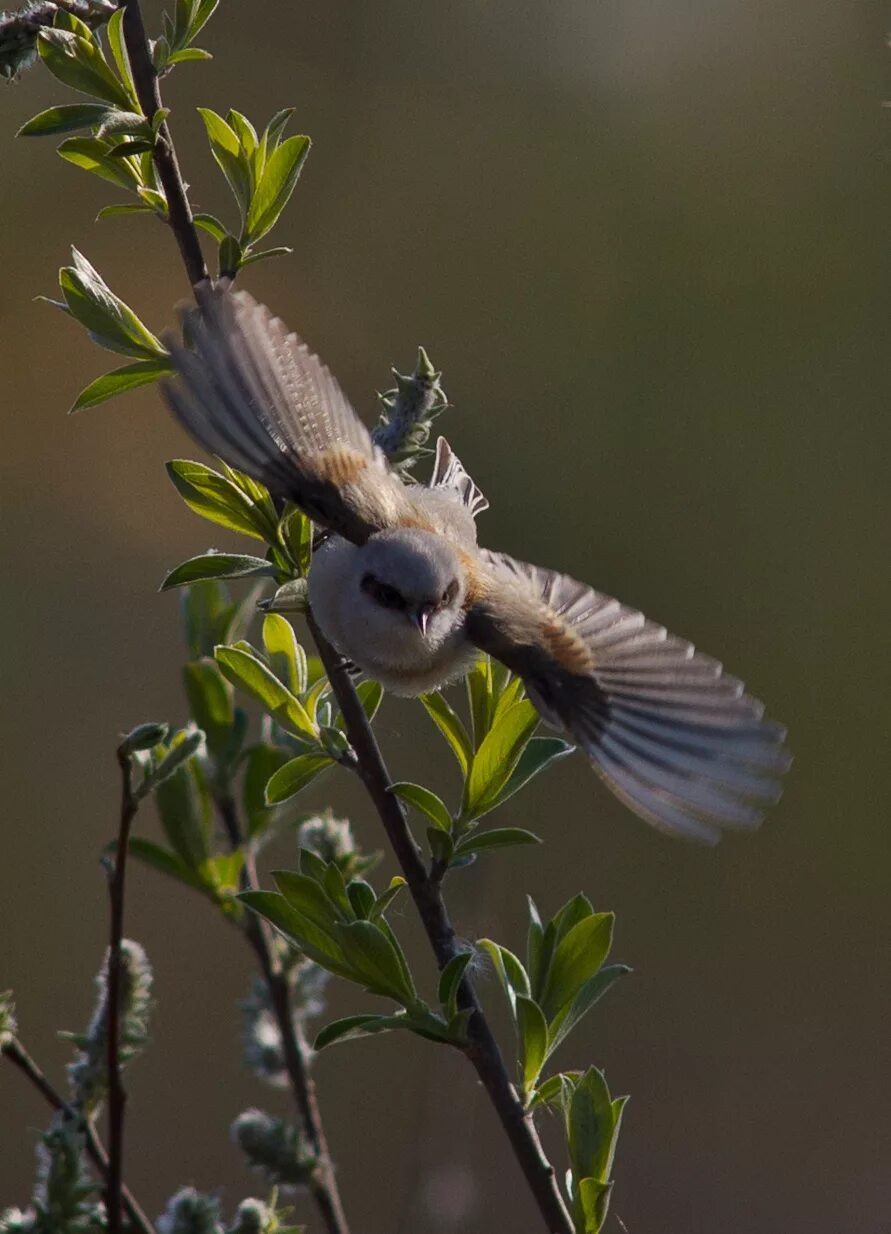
[[676, 739], [253, 394]]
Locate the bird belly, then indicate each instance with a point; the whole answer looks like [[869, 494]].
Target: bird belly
[[395, 657]]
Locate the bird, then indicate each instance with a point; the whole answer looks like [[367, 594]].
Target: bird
[[401, 587]]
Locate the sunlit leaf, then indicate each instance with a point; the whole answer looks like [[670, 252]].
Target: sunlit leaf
[[577, 958], [276, 185], [119, 381], [244, 670], [216, 498], [533, 1034], [79, 63], [451, 727], [496, 758]]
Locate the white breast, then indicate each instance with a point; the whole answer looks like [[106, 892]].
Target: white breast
[[381, 642]]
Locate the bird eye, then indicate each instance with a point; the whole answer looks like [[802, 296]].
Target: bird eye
[[450, 592], [382, 593]]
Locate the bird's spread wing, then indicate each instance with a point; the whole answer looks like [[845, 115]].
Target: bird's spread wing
[[677, 740], [252, 393], [449, 473]]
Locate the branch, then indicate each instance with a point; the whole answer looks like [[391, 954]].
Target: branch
[[145, 80], [323, 1184], [482, 1051], [19, 1057], [117, 1098]]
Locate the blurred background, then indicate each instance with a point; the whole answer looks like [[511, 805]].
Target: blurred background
[[644, 241]]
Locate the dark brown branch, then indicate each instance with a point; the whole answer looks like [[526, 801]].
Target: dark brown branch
[[482, 1050], [117, 1097], [20, 1058], [323, 1184], [145, 80]]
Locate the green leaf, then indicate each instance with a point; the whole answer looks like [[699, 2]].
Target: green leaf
[[424, 800], [187, 53], [510, 971], [227, 152], [64, 119], [577, 958], [316, 942], [243, 669], [383, 902], [450, 980], [592, 1126], [216, 498], [374, 957], [184, 746], [442, 847], [119, 381], [534, 940], [295, 535], [479, 697], [92, 154], [164, 862], [260, 764], [496, 758], [533, 1034], [210, 224], [118, 48], [589, 994], [362, 898], [353, 1026], [371, 695], [144, 737], [593, 1198], [126, 207], [448, 723], [186, 813], [110, 322], [230, 256], [309, 897], [276, 185], [281, 250], [217, 565], [280, 642], [295, 775], [499, 837], [212, 704], [539, 754], [557, 1090], [276, 126], [79, 63]]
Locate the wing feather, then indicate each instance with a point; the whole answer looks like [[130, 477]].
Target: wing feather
[[252, 393], [674, 737]]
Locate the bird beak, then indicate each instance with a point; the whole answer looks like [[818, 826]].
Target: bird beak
[[421, 617]]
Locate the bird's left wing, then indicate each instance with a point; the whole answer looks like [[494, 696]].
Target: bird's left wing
[[676, 739], [252, 393]]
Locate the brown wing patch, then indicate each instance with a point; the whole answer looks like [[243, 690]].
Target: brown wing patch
[[340, 465], [567, 648]]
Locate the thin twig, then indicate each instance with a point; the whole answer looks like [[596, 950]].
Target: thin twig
[[20, 1058], [145, 79], [323, 1184], [117, 1097], [482, 1049]]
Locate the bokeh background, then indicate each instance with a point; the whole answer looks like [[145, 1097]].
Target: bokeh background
[[647, 244]]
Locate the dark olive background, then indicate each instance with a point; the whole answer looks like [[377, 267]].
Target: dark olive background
[[646, 242]]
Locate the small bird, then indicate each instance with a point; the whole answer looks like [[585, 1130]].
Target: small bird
[[402, 589]]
